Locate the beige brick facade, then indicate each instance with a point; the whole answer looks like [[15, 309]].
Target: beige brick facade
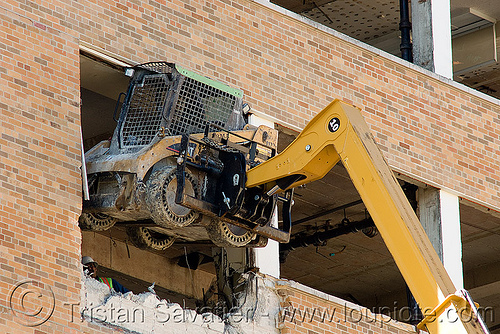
[[306, 310], [428, 128]]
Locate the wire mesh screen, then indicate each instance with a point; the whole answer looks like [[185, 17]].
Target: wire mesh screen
[[199, 104], [159, 67], [145, 111]]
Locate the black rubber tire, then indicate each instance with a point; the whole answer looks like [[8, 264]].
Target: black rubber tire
[[96, 221], [145, 238], [160, 199], [224, 234]]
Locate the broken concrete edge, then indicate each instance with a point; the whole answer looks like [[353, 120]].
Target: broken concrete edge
[[264, 306], [146, 313], [286, 288]]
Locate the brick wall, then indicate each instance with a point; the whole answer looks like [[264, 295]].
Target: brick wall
[[306, 310], [428, 128], [40, 198]]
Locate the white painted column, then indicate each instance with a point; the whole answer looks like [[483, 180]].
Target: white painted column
[[440, 217], [451, 237], [431, 31], [441, 32], [267, 258]]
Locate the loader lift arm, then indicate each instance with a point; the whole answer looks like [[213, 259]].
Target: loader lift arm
[[339, 133]]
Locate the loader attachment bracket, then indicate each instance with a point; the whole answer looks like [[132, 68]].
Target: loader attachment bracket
[[226, 196]]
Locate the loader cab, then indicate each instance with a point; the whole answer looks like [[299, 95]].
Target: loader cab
[[163, 99]]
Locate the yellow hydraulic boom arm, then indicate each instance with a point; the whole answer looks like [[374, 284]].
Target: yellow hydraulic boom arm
[[339, 133]]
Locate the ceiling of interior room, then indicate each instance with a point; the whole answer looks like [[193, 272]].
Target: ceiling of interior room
[[376, 22]]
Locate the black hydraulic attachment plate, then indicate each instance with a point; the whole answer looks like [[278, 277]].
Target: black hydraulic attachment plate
[[231, 201]]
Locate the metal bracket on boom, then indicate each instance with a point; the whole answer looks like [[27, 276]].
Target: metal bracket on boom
[[461, 300]]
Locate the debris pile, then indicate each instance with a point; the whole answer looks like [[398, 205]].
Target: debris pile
[[146, 313]]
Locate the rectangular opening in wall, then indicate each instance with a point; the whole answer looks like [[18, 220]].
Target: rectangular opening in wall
[[103, 80]]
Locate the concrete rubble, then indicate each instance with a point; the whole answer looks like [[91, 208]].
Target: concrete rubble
[[146, 313]]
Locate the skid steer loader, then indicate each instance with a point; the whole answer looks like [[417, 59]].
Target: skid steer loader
[[178, 157]]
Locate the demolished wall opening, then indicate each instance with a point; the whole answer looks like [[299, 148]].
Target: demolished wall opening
[[101, 85], [184, 273]]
